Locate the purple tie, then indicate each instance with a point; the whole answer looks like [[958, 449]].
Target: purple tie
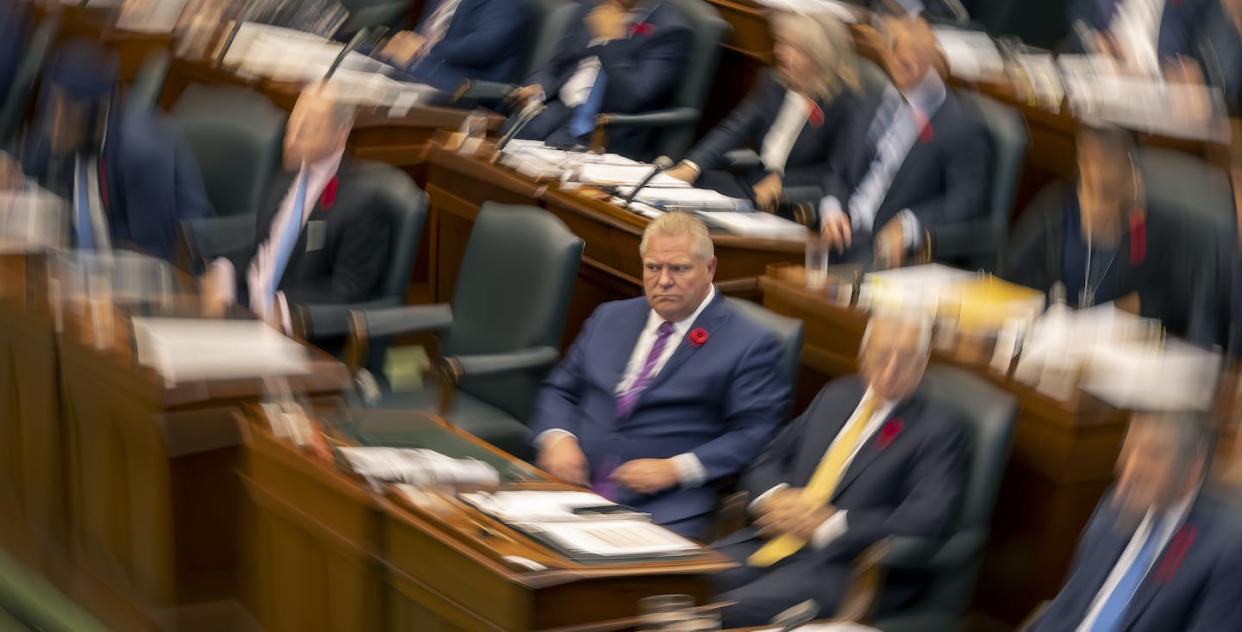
[[627, 399]]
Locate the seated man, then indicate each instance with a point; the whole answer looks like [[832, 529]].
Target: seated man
[[870, 458], [461, 40], [659, 396], [318, 243], [1141, 35], [623, 56], [128, 175], [922, 160], [1161, 552]]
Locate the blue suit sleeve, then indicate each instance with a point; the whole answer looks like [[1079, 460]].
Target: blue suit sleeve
[[556, 408], [160, 187], [966, 175], [1220, 607], [739, 130], [496, 32], [641, 84], [757, 398], [569, 51], [773, 466]]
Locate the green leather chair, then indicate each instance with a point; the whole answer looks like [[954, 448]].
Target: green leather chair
[[25, 76], [393, 14], [787, 330], [236, 135], [551, 18], [977, 243], [499, 336], [950, 565], [1044, 23], [148, 83], [677, 123]]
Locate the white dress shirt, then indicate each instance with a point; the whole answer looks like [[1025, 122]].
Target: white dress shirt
[[689, 469], [438, 25], [1136, 28], [914, 108], [784, 132], [838, 524], [577, 88], [262, 268], [1166, 526]]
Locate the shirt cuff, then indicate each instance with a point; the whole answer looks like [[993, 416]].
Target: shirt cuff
[[754, 504], [690, 469], [286, 322], [223, 277], [830, 206], [911, 231], [830, 530], [547, 436], [698, 171]]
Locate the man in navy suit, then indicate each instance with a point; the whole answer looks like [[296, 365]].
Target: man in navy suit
[[661, 395], [1142, 35], [128, 175], [1161, 552], [870, 458], [922, 160], [617, 56], [460, 40]]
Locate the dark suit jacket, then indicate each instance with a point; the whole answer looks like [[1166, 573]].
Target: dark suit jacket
[[1218, 50], [945, 178], [1178, 23], [14, 26], [643, 72], [721, 400], [348, 268], [484, 42], [1195, 585], [749, 123], [152, 180]]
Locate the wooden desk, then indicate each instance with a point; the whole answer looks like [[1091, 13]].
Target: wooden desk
[[1061, 464], [610, 269], [132, 48], [335, 556]]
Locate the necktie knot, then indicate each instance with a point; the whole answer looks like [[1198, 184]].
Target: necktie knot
[[665, 329]]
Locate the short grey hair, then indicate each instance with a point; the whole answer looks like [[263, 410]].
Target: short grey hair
[[828, 43], [922, 322], [679, 223]]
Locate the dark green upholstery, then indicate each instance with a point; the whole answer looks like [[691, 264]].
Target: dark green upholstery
[[236, 135], [551, 18], [787, 330], [977, 243], [679, 120], [1044, 23], [149, 82], [508, 310], [25, 76], [393, 14], [950, 566]]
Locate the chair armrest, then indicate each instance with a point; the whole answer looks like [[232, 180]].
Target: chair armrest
[[742, 160], [659, 118], [963, 239], [482, 92], [211, 237], [495, 363], [365, 324], [329, 320], [805, 194], [930, 553]]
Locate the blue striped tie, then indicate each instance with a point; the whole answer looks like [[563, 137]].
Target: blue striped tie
[[288, 238], [583, 122], [86, 228], [1119, 600]]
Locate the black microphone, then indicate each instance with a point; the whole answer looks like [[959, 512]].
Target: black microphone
[[354, 43], [525, 116], [796, 616], [661, 164]]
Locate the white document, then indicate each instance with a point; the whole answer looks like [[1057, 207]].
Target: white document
[[418, 467], [150, 16], [842, 626], [839, 9], [763, 225], [184, 349], [972, 55], [686, 198], [622, 175], [1143, 375], [613, 538], [32, 220], [282, 54], [539, 506]]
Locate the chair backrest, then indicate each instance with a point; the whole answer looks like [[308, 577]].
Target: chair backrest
[[364, 13], [512, 293], [989, 415], [709, 32], [550, 18], [1007, 130], [787, 330], [148, 83], [386, 189], [21, 90], [236, 135]]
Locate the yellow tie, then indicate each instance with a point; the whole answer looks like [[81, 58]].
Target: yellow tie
[[819, 490]]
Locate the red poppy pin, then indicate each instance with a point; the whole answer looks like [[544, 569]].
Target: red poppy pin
[[698, 336], [888, 434], [328, 198], [1138, 237], [814, 113], [926, 133], [642, 28], [1174, 554]]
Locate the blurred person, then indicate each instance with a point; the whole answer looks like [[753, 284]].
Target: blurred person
[[460, 40], [1215, 59], [1162, 551], [127, 173], [922, 159], [792, 118], [616, 56], [870, 458], [662, 395], [14, 24], [316, 244], [1141, 35]]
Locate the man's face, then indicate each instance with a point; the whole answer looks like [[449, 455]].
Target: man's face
[[792, 63], [913, 49], [674, 279], [1103, 180], [1151, 471], [313, 131], [67, 122], [893, 361]]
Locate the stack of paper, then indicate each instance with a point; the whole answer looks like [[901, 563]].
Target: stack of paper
[[282, 54], [32, 220], [921, 289], [972, 55], [624, 175], [187, 349], [150, 16], [759, 225], [1143, 375], [687, 199], [841, 10], [418, 467]]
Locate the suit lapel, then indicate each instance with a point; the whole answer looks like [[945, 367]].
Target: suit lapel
[[1158, 575], [869, 451], [623, 343], [711, 319]]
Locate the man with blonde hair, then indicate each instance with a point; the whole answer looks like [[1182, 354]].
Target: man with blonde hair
[[663, 394]]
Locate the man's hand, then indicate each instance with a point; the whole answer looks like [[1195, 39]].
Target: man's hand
[[768, 192], [525, 94], [786, 512], [890, 245], [403, 47], [683, 172], [1191, 107], [647, 476], [562, 458], [835, 227], [10, 173], [214, 295], [607, 21]]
